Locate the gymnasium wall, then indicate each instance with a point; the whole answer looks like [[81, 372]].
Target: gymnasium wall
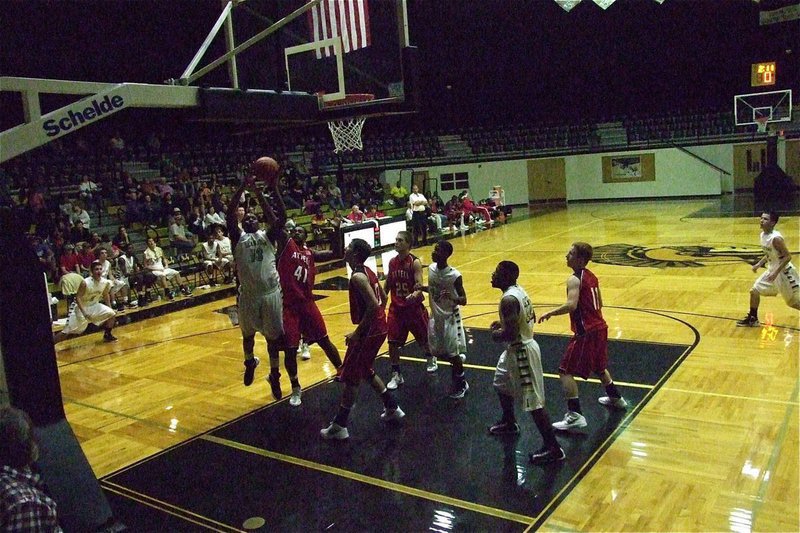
[[677, 174]]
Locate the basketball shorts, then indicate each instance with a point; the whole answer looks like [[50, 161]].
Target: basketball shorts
[[359, 358], [261, 313], [404, 320], [586, 354], [77, 322], [787, 284], [117, 285], [168, 273], [446, 334], [302, 318], [519, 374]]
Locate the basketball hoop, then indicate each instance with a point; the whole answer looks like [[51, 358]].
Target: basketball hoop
[[346, 132], [761, 124]]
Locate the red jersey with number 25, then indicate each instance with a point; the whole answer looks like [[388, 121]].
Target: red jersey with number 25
[[297, 270], [401, 280], [588, 316]]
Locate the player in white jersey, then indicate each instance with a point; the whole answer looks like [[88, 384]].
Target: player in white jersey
[[518, 376], [781, 275], [87, 307], [445, 330], [260, 300]]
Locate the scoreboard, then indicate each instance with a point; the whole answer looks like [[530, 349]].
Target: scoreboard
[[762, 74]]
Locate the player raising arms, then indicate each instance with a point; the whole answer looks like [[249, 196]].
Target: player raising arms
[[367, 301], [446, 331], [406, 312], [260, 301], [301, 315]]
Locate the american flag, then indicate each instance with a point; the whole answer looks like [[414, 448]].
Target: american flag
[[346, 18]]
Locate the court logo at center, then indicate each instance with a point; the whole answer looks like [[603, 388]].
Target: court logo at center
[[675, 256]]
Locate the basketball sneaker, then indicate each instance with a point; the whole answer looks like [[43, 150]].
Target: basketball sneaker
[[250, 370], [459, 390], [108, 337], [275, 384], [571, 420], [748, 322], [619, 403], [432, 365], [394, 414], [334, 432], [546, 455], [295, 399], [396, 381], [305, 351], [504, 428]]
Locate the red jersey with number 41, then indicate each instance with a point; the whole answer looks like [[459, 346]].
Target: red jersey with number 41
[[588, 316], [297, 270]]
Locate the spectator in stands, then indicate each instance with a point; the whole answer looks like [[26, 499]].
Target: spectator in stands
[[89, 192], [133, 212], [94, 242], [79, 214], [419, 218], [398, 194], [356, 215], [338, 220], [85, 259], [158, 264], [117, 144], [25, 505], [225, 252], [121, 238], [150, 211], [69, 261], [373, 213], [163, 187], [185, 184], [182, 239], [109, 246], [45, 255], [78, 233], [335, 196], [212, 218]]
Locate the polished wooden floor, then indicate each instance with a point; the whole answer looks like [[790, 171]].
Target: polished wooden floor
[[716, 448]]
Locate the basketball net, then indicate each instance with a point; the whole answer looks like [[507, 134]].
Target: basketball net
[[761, 124], [347, 134]]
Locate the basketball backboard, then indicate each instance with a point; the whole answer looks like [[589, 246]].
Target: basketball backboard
[[774, 106], [279, 54]]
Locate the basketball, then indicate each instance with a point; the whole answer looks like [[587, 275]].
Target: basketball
[[266, 169]]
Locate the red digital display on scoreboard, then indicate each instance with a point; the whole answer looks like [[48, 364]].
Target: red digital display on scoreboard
[[762, 74]]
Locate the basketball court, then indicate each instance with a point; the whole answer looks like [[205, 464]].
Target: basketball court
[[713, 407]]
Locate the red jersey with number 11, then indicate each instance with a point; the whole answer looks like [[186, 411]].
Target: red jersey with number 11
[[358, 306], [588, 316], [297, 270]]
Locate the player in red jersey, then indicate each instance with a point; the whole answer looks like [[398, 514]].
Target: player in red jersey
[[587, 351], [367, 301], [301, 315], [407, 312]]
